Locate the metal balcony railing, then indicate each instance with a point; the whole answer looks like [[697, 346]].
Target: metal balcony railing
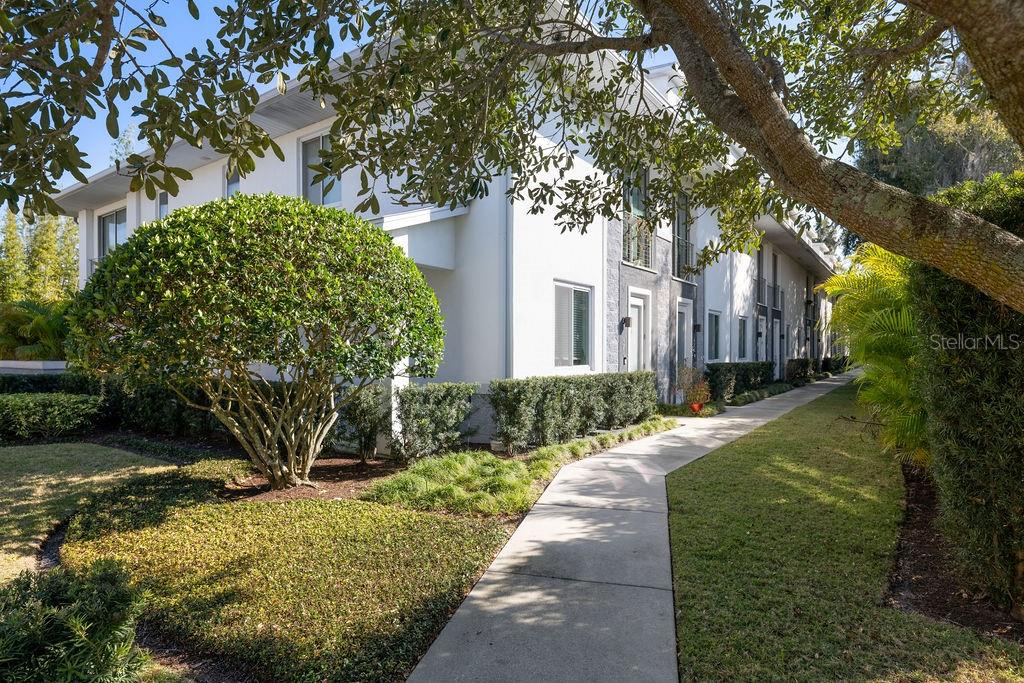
[[637, 241], [776, 297], [94, 263], [685, 260], [761, 285]]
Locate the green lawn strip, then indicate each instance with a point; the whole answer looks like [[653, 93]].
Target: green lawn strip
[[45, 484], [782, 543], [301, 590], [478, 482]]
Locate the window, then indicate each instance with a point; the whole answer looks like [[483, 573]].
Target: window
[[161, 205], [682, 247], [743, 338], [113, 229], [637, 235], [714, 321], [233, 183], [572, 325], [327, 191]]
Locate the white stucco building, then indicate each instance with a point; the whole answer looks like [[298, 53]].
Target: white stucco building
[[520, 298]]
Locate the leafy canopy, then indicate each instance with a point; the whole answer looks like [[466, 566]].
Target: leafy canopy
[[442, 96], [260, 280]]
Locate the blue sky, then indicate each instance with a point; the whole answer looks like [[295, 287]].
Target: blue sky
[[182, 34]]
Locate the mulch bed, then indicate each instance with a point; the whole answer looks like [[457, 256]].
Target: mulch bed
[[924, 579], [335, 477]]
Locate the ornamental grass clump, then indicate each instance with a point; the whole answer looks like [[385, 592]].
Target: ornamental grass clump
[[274, 310]]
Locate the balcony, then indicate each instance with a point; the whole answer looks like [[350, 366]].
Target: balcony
[[637, 241]]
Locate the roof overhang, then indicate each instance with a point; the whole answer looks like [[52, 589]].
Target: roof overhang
[[790, 242]]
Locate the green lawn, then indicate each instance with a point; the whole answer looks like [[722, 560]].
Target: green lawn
[[303, 590], [782, 543], [44, 484]]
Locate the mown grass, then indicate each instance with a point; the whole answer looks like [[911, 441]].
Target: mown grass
[[782, 543], [44, 484], [482, 483], [293, 591]]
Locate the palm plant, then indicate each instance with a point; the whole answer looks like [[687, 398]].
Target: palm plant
[[873, 316], [31, 330]]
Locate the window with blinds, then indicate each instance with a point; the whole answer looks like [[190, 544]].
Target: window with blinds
[[714, 335], [326, 191], [572, 325]]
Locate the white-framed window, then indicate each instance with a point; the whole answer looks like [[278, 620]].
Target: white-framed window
[[233, 183], [572, 325], [682, 248], [113, 230], [326, 191], [637, 234], [162, 205], [742, 350], [714, 335]]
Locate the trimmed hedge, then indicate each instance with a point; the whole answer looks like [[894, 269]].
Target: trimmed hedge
[[431, 416], [799, 371], [729, 379], [46, 416], [972, 380], [834, 364], [548, 410], [64, 625], [766, 391]]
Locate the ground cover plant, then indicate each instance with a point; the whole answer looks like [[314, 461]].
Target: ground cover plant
[[45, 484], [782, 544], [478, 482]]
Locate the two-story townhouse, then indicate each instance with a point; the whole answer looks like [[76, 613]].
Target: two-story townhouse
[[519, 297]]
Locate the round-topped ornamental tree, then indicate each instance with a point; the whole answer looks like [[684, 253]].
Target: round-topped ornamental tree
[[275, 310]]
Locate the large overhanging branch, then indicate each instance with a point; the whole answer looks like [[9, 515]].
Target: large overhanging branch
[[958, 243]]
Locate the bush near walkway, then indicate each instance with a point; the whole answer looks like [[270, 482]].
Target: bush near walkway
[[782, 544]]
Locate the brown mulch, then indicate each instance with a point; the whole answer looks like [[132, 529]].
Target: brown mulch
[[335, 477], [924, 579]]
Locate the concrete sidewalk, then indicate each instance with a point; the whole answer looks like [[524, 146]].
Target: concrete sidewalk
[[583, 589]]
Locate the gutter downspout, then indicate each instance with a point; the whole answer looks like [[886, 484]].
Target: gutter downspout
[[509, 289]]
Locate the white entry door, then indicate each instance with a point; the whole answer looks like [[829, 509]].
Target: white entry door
[[637, 337]]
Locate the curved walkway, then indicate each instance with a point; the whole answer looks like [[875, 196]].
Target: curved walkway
[[583, 589]]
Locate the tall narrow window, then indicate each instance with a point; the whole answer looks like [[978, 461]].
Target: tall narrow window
[[161, 205], [233, 184], [682, 247], [742, 350], [714, 335], [637, 237], [113, 230], [326, 191], [572, 325]]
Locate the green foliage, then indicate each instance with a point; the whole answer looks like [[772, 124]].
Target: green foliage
[[45, 416], [728, 379], [66, 626], [431, 416], [363, 418], [699, 392], [481, 483], [972, 394], [514, 403], [546, 410], [764, 392], [783, 542], [799, 371], [12, 261], [322, 298], [30, 330], [873, 315], [683, 410], [291, 591]]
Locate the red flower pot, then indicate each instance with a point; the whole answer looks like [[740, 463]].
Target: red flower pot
[[696, 407]]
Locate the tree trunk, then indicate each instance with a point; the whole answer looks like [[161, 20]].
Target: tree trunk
[[738, 98]]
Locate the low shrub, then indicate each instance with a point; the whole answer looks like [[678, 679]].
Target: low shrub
[[834, 364], [515, 411], [799, 371], [683, 410], [365, 417], [46, 416], [64, 625], [767, 391], [729, 379], [431, 416], [547, 410]]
